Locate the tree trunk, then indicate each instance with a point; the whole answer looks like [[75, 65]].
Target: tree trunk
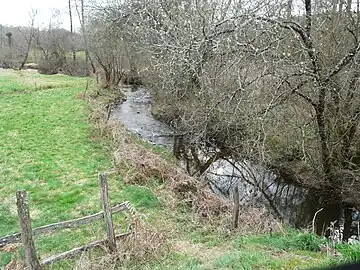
[[1, 41], [72, 32], [348, 8], [289, 9], [25, 58], [22, 203], [10, 44], [32, 16], [347, 223]]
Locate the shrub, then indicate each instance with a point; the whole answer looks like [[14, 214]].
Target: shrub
[[77, 68], [53, 64]]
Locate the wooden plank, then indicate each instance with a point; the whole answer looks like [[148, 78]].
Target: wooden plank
[[16, 237], [72, 253], [22, 204], [107, 212], [236, 207]]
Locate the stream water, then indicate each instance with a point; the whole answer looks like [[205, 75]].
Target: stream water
[[257, 186], [135, 114]]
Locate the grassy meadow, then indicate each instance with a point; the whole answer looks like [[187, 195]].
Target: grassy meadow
[[46, 148]]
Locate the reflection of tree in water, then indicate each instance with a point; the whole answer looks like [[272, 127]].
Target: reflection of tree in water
[[258, 187]]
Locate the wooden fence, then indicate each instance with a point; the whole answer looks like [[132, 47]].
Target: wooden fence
[[26, 235]]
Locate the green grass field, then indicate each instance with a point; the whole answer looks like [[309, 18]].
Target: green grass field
[[47, 150]]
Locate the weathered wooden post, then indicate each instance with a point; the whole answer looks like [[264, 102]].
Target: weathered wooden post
[[22, 203], [236, 198], [107, 212]]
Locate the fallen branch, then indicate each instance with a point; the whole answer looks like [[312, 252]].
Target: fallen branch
[[313, 221], [169, 135], [74, 223]]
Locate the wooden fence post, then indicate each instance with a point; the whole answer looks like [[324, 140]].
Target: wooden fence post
[[236, 198], [107, 212], [22, 203]]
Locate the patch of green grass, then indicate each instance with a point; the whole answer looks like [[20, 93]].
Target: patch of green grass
[[6, 258], [46, 150], [206, 236], [141, 197], [291, 240], [7, 219], [350, 253], [9, 83], [246, 260]]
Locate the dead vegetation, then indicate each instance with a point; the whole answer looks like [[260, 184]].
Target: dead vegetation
[[139, 165], [143, 244]]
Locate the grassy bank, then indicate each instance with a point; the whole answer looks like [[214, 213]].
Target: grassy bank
[[52, 147]]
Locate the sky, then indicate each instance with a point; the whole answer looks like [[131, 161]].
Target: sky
[[16, 12]]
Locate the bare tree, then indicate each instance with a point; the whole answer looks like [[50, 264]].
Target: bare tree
[[81, 15], [54, 44], [29, 39]]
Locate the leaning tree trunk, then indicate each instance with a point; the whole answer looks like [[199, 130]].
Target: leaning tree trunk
[[27, 51]]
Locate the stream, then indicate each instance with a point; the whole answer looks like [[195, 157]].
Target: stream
[[257, 186], [135, 114]]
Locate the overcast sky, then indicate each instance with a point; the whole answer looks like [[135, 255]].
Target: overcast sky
[[16, 12]]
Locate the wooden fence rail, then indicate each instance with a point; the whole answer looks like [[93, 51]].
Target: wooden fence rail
[[72, 253], [27, 233], [69, 224]]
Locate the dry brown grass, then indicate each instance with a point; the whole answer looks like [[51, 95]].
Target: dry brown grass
[[139, 165], [258, 221], [15, 264], [145, 243]]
